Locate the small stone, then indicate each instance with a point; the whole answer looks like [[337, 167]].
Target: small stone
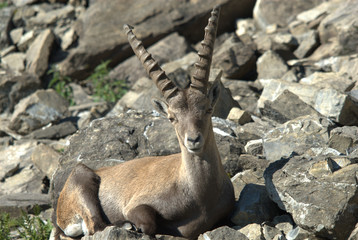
[[254, 147], [68, 39], [46, 159], [245, 26], [15, 61], [321, 168], [239, 116], [26, 40], [265, 63], [16, 34], [252, 231], [222, 233], [39, 52]]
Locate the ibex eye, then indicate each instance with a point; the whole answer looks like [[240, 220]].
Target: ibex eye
[[171, 119], [210, 110]]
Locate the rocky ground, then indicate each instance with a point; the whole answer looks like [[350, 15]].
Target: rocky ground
[[286, 123]]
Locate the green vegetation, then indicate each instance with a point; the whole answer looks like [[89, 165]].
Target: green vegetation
[[61, 84], [103, 87], [29, 227], [3, 5]]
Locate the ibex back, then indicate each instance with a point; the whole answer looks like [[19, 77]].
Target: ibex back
[[183, 194]]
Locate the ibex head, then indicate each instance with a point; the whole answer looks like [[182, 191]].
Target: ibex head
[[188, 109]]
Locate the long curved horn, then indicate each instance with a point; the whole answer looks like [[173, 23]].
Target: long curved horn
[[200, 78], [165, 85]]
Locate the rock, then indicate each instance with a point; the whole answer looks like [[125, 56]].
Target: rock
[[338, 25], [286, 107], [57, 131], [38, 53], [229, 145], [254, 147], [239, 116], [245, 27], [308, 45], [243, 92], [254, 206], [116, 233], [26, 40], [225, 102], [5, 25], [354, 234], [14, 204], [13, 158], [45, 159], [15, 61], [52, 17], [16, 35], [166, 50], [335, 80], [344, 138], [252, 231], [281, 42], [270, 232], [327, 101], [297, 135], [37, 110], [265, 63], [151, 23], [234, 58], [283, 223], [267, 12], [292, 186], [68, 38], [251, 172], [222, 233], [14, 88]]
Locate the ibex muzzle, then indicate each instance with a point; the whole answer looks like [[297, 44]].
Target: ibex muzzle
[[182, 194]]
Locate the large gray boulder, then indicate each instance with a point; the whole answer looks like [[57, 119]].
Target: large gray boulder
[[319, 193], [339, 27], [152, 21]]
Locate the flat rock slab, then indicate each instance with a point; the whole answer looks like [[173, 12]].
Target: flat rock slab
[[14, 204], [299, 184]]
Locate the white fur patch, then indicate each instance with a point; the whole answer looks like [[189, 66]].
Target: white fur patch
[[74, 230]]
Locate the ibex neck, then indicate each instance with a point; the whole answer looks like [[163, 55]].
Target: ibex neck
[[205, 168]]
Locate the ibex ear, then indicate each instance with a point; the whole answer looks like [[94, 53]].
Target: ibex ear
[[160, 106], [214, 91]]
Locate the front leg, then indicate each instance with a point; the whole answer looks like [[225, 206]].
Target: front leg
[[144, 219], [79, 211]]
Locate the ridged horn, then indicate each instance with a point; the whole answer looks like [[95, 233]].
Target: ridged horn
[[200, 78], [165, 85]]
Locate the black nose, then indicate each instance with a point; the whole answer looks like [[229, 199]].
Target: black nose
[[197, 139]]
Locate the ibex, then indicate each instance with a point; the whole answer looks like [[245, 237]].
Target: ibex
[[183, 194]]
